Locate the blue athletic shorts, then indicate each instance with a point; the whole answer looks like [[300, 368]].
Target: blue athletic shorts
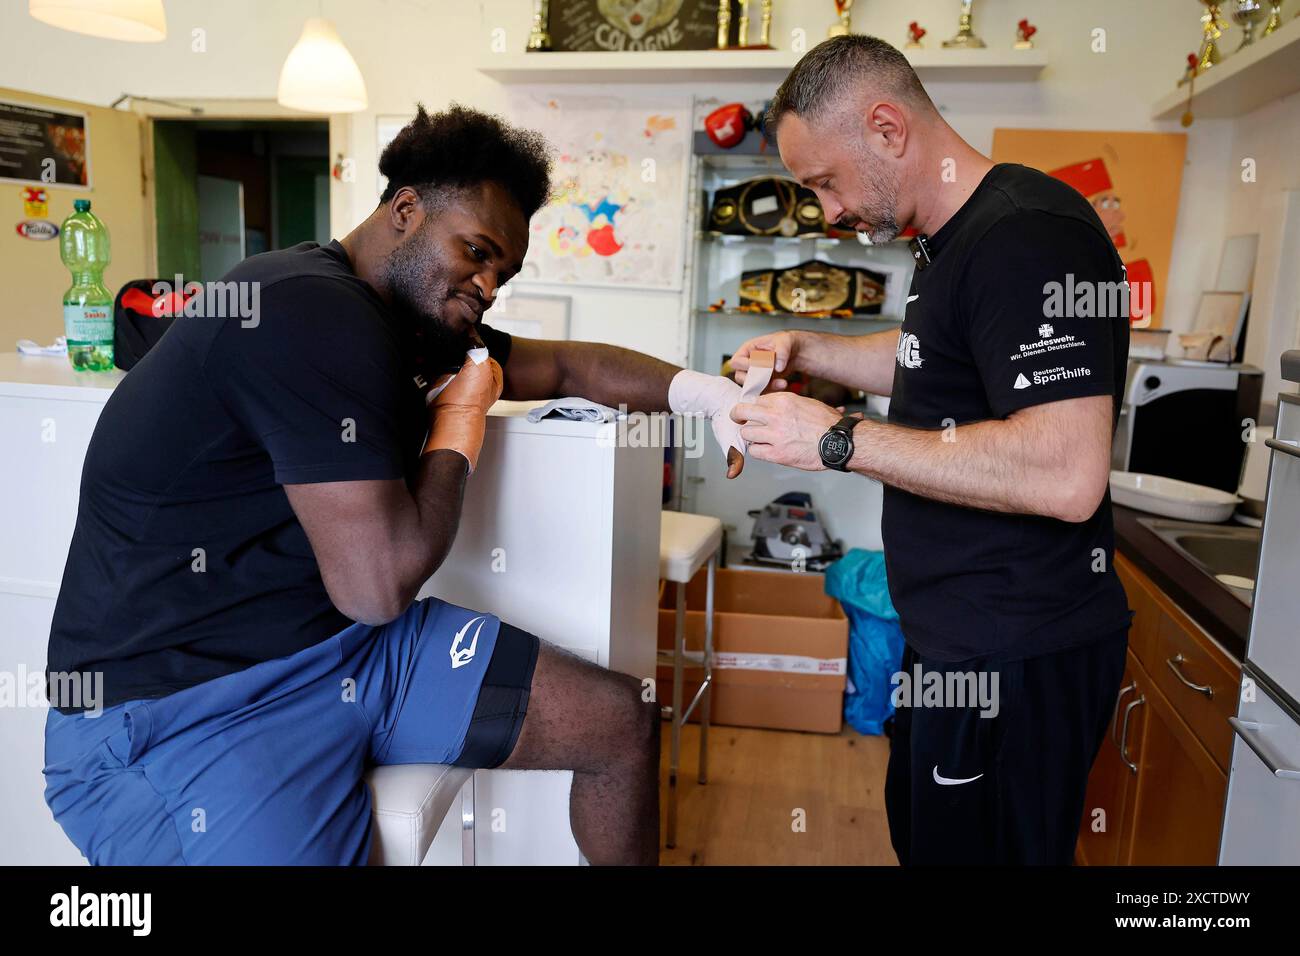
[[266, 765]]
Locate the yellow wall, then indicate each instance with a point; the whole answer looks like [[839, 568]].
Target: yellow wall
[[32, 277]]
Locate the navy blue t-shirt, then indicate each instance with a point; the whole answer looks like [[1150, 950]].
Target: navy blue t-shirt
[[187, 562], [999, 321]]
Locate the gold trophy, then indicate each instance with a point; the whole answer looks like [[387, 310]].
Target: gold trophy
[[1212, 27], [965, 38], [1247, 13], [842, 28], [724, 23], [1274, 17], [538, 39], [742, 27]]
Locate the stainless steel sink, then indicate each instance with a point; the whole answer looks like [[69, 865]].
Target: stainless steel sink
[[1227, 554]]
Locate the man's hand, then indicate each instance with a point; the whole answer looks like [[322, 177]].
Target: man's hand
[[460, 409], [786, 347], [785, 428]]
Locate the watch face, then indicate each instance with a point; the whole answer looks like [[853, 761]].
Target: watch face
[[835, 447]]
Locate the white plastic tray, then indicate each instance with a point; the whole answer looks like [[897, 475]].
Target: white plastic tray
[[1170, 497]]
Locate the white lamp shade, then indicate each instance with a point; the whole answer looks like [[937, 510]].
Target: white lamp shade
[[141, 21], [320, 75]]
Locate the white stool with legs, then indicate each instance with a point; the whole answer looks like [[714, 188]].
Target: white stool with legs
[[686, 543], [408, 805]]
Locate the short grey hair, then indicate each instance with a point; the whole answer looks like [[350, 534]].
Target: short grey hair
[[835, 66]]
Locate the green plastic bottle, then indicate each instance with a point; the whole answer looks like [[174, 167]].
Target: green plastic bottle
[[87, 305]]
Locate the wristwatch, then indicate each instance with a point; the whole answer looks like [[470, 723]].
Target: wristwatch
[[836, 446]]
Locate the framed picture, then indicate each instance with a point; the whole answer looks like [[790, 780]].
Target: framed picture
[[1222, 313], [532, 316], [618, 25], [44, 147]]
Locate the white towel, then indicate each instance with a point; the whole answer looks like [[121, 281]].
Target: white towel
[[577, 409], [28, 347]]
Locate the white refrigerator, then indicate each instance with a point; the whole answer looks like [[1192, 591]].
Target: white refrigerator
[[1261, 820]]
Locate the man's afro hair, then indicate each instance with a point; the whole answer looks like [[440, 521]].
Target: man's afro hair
[[462, 147]]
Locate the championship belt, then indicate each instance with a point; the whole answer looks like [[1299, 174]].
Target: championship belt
[[767, 206], [813, 287]]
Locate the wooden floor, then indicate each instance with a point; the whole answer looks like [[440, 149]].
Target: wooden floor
[[746, 814]]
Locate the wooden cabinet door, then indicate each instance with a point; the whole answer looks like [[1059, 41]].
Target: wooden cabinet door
[[1146, 611], [1179, 789], [1107, 822]]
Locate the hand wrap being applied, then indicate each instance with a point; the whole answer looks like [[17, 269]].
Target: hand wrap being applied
[[460, 401], [695, 393]]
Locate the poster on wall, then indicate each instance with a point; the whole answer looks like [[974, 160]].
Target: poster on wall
[[618, 210], [618, 25], [42, 146], [1133, 181]]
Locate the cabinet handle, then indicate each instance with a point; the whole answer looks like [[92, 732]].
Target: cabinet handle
[[1283, 446], [1175, 664], [1114, 718], [1248, 731], [1123, 746]]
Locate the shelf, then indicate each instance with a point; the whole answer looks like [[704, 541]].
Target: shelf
[[727, 239], [1243, 81], [738, 314], [765, 66]]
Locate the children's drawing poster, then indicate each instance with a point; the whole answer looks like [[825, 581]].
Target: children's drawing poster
[[617, 213]]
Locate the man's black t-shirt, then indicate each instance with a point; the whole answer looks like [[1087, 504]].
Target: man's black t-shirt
[[986, 333], [187, 562]]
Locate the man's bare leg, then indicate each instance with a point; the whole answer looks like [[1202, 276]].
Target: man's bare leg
[[593, 721]]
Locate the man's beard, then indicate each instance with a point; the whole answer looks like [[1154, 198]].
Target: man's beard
[[879, 212], [417, 275]]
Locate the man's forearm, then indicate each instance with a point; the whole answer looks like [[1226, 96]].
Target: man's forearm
[[612, 376], [1003, 465], [855, 361], [422, 544]]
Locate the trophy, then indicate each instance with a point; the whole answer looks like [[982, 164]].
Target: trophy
[[1212, 27], [1247, 13], [742, 31], [965, 38], [538, 39], [1274, 17], [1024, 35], [842, 27]]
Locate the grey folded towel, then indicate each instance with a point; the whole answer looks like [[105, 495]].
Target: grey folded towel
[[576, 409]]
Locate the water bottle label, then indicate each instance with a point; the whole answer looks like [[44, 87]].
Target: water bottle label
[[86, 324]]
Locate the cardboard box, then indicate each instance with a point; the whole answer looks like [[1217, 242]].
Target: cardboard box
[[780, 647]]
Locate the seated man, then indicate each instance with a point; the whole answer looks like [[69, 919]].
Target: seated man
[[261, 502]]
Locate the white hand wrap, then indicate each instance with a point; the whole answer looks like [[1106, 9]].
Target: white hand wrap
[[694, 393]]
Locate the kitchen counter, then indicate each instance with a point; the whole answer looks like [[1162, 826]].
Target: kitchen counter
[[1208, 603]]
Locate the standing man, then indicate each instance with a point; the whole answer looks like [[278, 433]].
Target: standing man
[[261, 502], [995, 459]]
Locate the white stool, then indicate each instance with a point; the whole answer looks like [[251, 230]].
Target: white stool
[[686, 542], [409, 803]]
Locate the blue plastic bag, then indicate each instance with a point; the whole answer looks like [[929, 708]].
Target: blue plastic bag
[[858, 582]]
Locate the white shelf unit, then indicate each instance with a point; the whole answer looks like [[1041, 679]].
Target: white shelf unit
[[713, 272], [1244, 80], [765, 66]]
